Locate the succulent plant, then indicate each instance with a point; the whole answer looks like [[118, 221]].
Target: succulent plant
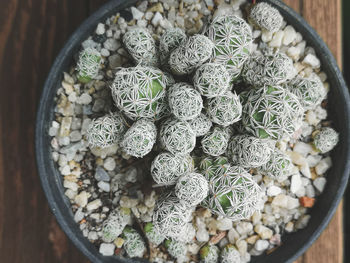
[[271, 112], [189, 56], [209, 254], [184, 101], [200, 125], [210, 166], [232, 37], [170, 215], [133, 243], [113, 226], [88, 64], [310, 91], [225, 109], [325, 139], [216, 141], [266, 17], [166, 168], [211, 79], [248, 151], [141, 46], [191, 189], [229, 254], [139, 138], [176, 249], [139, 92], [233, 193], [106, 131], [153, 235], [268, 68], [278, 167], [177, 136], [171, 39]]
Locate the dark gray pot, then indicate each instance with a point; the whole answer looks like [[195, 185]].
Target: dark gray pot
[[293, 244]]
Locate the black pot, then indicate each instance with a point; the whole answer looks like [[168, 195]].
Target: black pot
[[293, 244]]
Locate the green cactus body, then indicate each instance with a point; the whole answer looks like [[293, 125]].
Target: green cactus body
[[215, 142], [278, 167], [170, 40], [209, 254], [153, 235], [88, 65], [113, 226], [133, 244], [201, 124]]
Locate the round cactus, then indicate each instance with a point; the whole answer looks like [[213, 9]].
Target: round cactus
[[266, 17], [310, 91], [229, 254], [278, 167], [268, 69], [113, 226], [189, 56], [210, 166], [325, 139], [233, 193], [232, 37], [271, 112], [211, 79], [170, 215], [139, 92], [139, 138], [191, 189], [171, 39], [88, 64], [225, 109], [215, 142], [248, 151], [141, 46], [184, 101], [176, 249], [106, 131], [153, 235], [177, 136], [166, 168], [209, 254], [133, 244], [201, 125]]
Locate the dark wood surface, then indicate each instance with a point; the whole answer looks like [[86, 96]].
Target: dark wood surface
[[31, 35]]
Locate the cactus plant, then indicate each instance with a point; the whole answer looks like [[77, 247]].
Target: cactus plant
[[176, 249], [133, 243], [211, 79], [325, 139], [139, 92], [271, 112], [153, 235], [210, 166], [200, 125], [189, 56], [225, 109], [141, 46], [233, 193], [268, 68], [166, 168], [248, 151], [215, 142], [88, 64], [106, 131], [229, 254], [266, 17], [177, 136], [139, 138], [232, 37], [310, 91], [113, 226], [209, 254], [191, 189], [184, 101], [171, 39]]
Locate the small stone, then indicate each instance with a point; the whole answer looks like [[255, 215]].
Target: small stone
[[313, 160], [310, 191], [136, 14], [92, 235], [81, 199], [296, 158], [202, 234], [100, 30], [289, 226], [320, 183], [119, 242], [65, 126], [224, 224], [72, 97], [295, 183], [111, 44], [273, 190], [193, 248], [293, 53], [142, 23], [99, 105], [156, 19], [68, 87], [75, 136], [156, 8], [107, 249], [242, 246], [302, 221], [131, 175], [277, 39], [105, 52], [252, 239], [232, 235], [323, 165], [128, 202], [261, 245], [302, 148], [101, 174], [244, 228], [65, 170], [70, 194], [263, 231], [104, 186], [53, 131], [79, 215], [150, 200], [266, 36], [165, 23], [148, 15], [70, 185], [180, 21], [289, 35], [109, 164], [285, 201], [115, 61], [312, 60], [94, 205], [84, 99]]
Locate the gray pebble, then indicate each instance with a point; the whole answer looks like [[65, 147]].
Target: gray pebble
[[101, 174]]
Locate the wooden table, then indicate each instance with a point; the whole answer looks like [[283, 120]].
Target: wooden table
[[31, 34]]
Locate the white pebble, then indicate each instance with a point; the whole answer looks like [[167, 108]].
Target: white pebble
[[81, 199], [105, 52], [310, 191], [94, 205], [232, 235], [100, 30], [312, 60], [136, 14], [104, 186], [111, 44], [244, 228], [302, 148], [293, 52], [79, 215], [65, 170], [263, 231], [109, 164], [70, 194], [148, 15], [156, 19], [313, 160], [289, 35], [84, 99], [323, 165], [285, 201], [277, 39], [266, 36], [202, 234], [305, 170], [261, 245], [224, 224], [295, 183], [107, 249], [273, 190], [320, 183]]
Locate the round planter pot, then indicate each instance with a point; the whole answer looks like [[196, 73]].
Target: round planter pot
[[293, 244]]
